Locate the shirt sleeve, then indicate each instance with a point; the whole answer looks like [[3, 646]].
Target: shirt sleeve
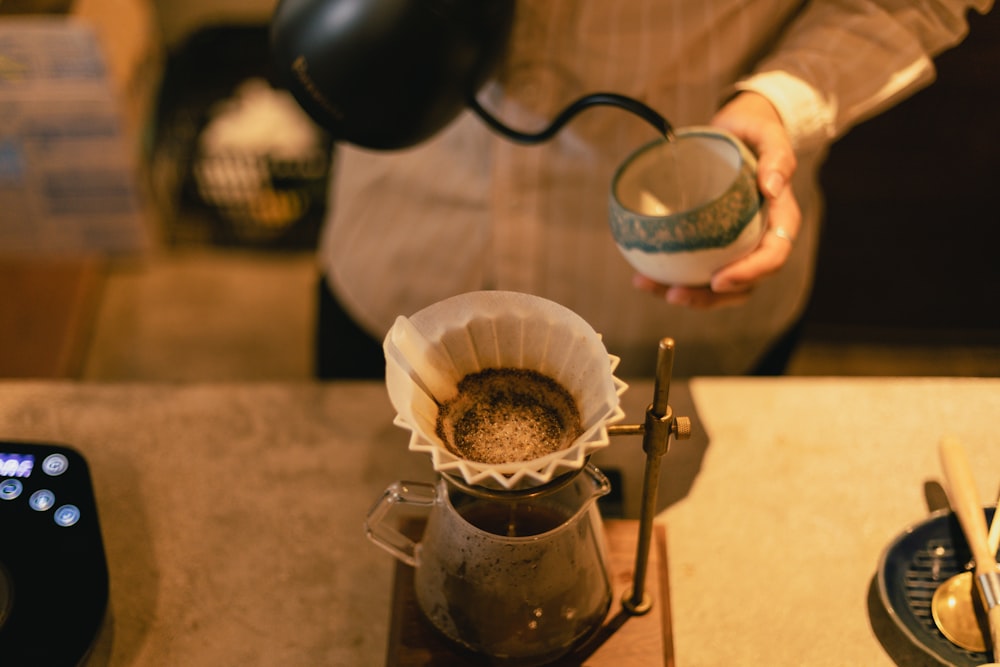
[[841, 62]]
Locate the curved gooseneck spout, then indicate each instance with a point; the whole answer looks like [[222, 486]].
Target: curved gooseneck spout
[[629, 104]]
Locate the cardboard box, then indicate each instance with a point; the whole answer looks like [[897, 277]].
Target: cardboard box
[[71, 125], [129, 35]]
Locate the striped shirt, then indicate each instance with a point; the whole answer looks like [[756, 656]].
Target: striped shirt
[[469, 210]]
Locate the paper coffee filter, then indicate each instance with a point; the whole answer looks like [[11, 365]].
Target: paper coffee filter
[[428, 354]]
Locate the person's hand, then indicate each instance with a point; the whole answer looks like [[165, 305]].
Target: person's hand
[[750, 117]]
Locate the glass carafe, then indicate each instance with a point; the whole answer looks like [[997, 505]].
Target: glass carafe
[[519, 578]]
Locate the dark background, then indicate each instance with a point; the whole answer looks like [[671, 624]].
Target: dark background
[[911, 243]]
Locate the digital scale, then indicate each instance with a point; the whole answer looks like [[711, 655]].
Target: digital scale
[[53, 572]]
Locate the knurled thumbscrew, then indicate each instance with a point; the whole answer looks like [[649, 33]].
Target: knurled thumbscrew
[[681, 428]]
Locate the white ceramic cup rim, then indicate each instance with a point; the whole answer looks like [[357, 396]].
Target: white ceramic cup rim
[[742, 156]]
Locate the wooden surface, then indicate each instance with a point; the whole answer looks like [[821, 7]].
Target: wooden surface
[[622, 641], [47, 313], [233, 514]]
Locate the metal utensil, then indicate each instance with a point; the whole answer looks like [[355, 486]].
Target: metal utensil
[[952, 606], [964, 500]]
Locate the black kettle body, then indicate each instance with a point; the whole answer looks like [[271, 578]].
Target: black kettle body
[[387, 74]]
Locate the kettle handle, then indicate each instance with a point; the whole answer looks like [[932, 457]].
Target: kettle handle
[[382, 532]]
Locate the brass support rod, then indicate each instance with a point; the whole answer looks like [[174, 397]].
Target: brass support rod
[[664, 371], [656, 439], [626, 429]]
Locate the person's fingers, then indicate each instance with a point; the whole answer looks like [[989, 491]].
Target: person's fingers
[[647, 284], [753, 119], [776, 160], [784, 220], [692, 297], [703, 298]]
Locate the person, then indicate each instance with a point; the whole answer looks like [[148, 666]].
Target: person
[[470, 210]]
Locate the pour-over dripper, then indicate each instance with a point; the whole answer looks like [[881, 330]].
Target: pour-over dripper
[[500, 330]]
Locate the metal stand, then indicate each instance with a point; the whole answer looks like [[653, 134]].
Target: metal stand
[[660, 424]]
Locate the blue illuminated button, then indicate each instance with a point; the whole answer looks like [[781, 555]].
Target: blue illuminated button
[[55, 464], [67, 515], [10, 489], [42, 500]]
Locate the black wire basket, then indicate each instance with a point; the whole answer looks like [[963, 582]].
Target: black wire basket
[[261, 199], [234, 198]]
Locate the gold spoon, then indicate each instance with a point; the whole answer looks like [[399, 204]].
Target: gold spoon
[[966, 505], [952, 607]]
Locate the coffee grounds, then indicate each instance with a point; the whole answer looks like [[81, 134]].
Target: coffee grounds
[[504, 415]]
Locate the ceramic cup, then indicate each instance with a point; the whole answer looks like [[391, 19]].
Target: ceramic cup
[[680, 209]]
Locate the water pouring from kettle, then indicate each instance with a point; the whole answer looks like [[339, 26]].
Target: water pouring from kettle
[[389, 74]]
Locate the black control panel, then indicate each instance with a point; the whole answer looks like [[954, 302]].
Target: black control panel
[[53, 572]]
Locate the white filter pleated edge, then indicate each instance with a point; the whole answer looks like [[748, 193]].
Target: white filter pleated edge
[[496, 329], [519, 474]]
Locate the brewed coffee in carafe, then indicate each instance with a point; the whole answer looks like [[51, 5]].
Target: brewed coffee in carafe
[[518, 578]]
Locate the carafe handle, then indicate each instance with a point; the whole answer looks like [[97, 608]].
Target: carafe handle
[[383, 532]]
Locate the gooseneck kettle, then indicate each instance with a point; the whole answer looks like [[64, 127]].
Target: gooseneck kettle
[[389, 74]]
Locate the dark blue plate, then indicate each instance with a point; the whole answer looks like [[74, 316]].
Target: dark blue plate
[[911, 569]]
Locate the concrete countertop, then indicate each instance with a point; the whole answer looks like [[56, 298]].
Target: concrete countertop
[[232, 513]]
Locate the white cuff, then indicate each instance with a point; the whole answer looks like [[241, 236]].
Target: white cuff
[[809, 118]]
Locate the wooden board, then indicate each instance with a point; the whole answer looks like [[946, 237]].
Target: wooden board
[[47, 311], [622, 641]]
